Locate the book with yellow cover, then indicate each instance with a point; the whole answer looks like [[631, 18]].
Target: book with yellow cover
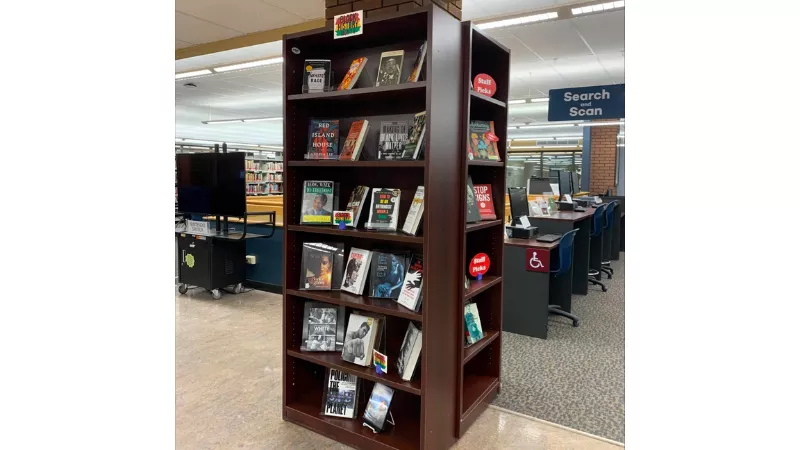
[[352, 75]]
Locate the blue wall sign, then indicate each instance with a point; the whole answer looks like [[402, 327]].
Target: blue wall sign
[[587, 103]]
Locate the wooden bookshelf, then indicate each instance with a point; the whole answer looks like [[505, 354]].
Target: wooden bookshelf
[[479, 376], [427, 409]]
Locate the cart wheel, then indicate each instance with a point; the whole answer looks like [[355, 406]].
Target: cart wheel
[[238, 289], [216, 294], [182, 288]]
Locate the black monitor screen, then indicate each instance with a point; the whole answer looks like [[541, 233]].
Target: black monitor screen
[[576, 185], [229, 198], [539, 186], [210, 183], [564, 181], [518, 200]]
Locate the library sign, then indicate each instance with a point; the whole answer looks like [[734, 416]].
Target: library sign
[[586, 103]]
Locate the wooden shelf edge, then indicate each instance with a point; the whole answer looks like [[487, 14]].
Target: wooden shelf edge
[[394, 236], [476, 287], [330, 428], [483, 224], [485, 162], [488, 99], [472, 351], [327, 359], [350, 93], [367, 305], [492, 387], [336, 163]]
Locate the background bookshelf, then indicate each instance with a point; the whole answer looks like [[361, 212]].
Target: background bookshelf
[[427, 408], [479, 372], [264, 177]]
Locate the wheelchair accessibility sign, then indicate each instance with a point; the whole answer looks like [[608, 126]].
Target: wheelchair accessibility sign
[[537, 260]]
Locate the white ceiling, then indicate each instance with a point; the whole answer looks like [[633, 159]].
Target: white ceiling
[[203, 21], [583, 51]]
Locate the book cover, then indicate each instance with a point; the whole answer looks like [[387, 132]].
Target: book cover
[[321, 329], [351, 77], [414, 216], [355, 141], [409, 352], [482, 143], [390, 68], [355, 273], [472, 205], [356, 203], [317, 266], [472, 324], [387, 272], [338, 264], [359, 339], [341, 394], [392, 139], [378, 407], [338, 318], [412, 284], [318, 202], [483, 196], [323, 139], [317, 75], [384, 210], [416, 137], [418, 63]]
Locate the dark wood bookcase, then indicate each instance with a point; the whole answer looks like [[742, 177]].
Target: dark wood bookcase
[[454, 384]]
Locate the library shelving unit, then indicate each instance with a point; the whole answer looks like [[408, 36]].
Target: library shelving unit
[[429, 411], [479, 372]]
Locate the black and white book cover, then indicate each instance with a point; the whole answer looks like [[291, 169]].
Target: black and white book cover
[[412, 284], [359, 339], [317, 75], [341, 394], [473, 215], [320, 319], [409, 352], [356, 271], [384, 210], [416, 137], [392, 139], [387, 273], [378, 407], [390, 68], [356, 203]]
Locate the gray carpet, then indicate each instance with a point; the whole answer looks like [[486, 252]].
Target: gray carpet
[[576, 377]]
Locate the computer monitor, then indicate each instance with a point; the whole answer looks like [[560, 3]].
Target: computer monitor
[[230, 195], [538, 185], [576, 185], [518, 201], [564, 182], [211, 183]]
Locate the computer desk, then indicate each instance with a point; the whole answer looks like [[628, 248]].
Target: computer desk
[[561, 222], [526, 294]]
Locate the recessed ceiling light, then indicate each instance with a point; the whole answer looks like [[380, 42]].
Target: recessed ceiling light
[[194, 73], [517, 21], [598, 7], [249, 65]]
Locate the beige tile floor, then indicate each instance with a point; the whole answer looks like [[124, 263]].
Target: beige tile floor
[[228, 386]]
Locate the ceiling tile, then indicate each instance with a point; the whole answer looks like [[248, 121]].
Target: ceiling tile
[[308, 9], [552, 40], [582, 71], [245, 16], [480, 9], [604, 32], [191, 29], [614, 63], [182, 44]]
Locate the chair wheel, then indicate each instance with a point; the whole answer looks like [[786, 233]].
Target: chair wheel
[[216, 294], [575, 323], [182, 288]]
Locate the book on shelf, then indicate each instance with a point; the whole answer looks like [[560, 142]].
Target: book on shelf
[[392, 139], [356, 271], [340, 398], [317, 75], [355, 141], [416, 70], [356, 203], [322, 266], [482, 141], [323, 139], [411, 293], [415, 212], [472, 205], [324, 328], [319, 200], [483, 196], [472, 324], [387, 273], [378, 407], [363, 332], [390, 68], [351, 77], [409, 352], [416, 137], [385, 209]]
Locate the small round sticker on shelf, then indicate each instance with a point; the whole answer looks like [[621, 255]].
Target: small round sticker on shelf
[[479, 265], [484, 84]]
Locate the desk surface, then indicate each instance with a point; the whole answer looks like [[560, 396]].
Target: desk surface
[[572, 216], [530, 243]]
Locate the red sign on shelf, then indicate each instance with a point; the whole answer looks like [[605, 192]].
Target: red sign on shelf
[[479, 264], [537, 260], [484, 84]]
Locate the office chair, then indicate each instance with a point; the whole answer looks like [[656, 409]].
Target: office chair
[[597, 242], [606, 262], [564, 263]]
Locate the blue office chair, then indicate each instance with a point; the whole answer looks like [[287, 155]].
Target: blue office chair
[[597, 242], [606, 263], [564, 263]]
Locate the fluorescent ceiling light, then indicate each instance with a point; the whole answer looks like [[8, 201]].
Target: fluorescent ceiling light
[[546, 125], [598, 7], [216, 122], [516, 102], [194, 73], [196, 141], [539, 100], [517, 21], [236, 144], [249, 65], [600, 124], [546, 138], [272, 146], [262, 119], [528, 147]]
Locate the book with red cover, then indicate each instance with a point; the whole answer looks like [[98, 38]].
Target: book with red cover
[[483, 196], [352, 75], [354, 141]]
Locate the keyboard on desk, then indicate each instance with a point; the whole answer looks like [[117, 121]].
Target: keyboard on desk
[[548, 237]]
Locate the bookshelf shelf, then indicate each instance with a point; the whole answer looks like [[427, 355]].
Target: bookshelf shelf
[[370, 164], [483, 224], [476, 287], [385, 306], [334, 361], [391, 236], [483, 162], [488, 99], [476, 389], [377, 94], [474, 349]]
